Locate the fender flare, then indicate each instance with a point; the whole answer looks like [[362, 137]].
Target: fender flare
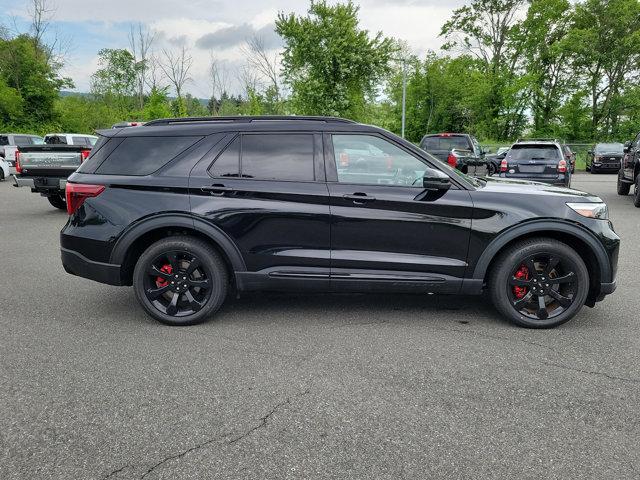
[[542, 226], [174, 220]]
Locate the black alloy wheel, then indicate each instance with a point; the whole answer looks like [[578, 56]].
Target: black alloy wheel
[[539, 283], [180, 280]]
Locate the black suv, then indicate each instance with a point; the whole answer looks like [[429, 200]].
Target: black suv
[[629, 173], [460, 150], [188, 210], [537, 160]]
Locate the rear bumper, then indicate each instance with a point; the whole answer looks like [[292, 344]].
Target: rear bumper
[[79, 265], [40, 184], [558, 180]]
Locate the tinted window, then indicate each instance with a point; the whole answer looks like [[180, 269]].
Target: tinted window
[[534, 152], [4, 140], [144, 155], [22, 140], [278, 157], [366, 159], [445, 143], [609, 148], [79, 141], [227, 164]]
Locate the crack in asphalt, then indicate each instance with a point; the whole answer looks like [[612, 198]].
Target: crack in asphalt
[[262, 423], [115, 472], [592, 372]]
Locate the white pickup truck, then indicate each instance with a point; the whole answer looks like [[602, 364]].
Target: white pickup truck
[[9, 143], [45, 168]]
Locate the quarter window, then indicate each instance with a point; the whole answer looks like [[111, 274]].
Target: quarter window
[[227, 164], [366, 159]]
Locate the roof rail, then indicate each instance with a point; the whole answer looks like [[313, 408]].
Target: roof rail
[[244, 119], [539, 140]]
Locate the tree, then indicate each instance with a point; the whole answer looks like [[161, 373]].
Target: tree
[[331, 65], [266, 64], [176, 66], [140, 42], [157, 105], [605, 47], [115, 81], [29, 83], [487, 29]]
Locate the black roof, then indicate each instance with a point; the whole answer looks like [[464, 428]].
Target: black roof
[[209, 125]]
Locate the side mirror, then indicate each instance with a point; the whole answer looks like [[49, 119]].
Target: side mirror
[[435, 180]]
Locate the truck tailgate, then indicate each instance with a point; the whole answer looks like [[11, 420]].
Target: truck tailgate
[[50, 160]]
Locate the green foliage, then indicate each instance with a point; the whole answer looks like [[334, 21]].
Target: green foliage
[[84, 114], [156, 105], [114, 83], [330, 64], [29, 84]]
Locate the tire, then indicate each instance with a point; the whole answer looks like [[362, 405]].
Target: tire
[[571, 289], [491, 169], [156, 294], [623, 188], [58, 202], [465, 169], [636, 193], [593, 170]]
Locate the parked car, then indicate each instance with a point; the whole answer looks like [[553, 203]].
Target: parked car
[[186, 210], [45, 168], [459, 150], [495, 159], [4, 169], [605, 157], [537, 160], [629, 173], [569, 156], [9, 143]]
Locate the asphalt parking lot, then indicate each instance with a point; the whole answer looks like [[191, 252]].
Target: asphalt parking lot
[[307, 386]]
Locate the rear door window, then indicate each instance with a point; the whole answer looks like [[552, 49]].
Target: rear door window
[[144, 155], [277, 157], [22, 140], [79, 141], [4, 140], [538, 153]]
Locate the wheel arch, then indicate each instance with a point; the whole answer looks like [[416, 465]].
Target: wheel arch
[[137, 238], [580, 239]]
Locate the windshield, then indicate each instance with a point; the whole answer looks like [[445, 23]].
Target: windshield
[[609, 148], [37, 140], [445, 143]]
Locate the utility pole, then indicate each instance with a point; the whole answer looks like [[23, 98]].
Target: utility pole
[[404, 93]]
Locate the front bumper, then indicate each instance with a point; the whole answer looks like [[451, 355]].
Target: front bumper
[[77, 264]]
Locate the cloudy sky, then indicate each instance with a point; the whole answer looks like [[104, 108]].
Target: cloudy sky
[[209, 28]]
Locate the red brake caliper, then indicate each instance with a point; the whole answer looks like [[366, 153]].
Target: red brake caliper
[[521, 274], [161, 282]]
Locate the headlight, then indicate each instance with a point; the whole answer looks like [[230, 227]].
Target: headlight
[[590, 210]]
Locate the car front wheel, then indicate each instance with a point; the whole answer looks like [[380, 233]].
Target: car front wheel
[[180, 280], [623, 187], [539, 283]]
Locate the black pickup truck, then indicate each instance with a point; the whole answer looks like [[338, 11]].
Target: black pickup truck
[[460, 150], [45, 168], [629, 173]]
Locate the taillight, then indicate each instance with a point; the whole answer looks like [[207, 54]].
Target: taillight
[[344, 159], [562, 166], [17, 162], [452, 160], [84, 154], [77, 193], [504, 165]]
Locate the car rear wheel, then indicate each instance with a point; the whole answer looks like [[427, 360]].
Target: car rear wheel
[[623, 187], [539, 283], [636, 193], [58, 201], [180, 280]]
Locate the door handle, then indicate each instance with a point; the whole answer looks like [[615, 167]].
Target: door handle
[[216, 190], [359, 198]]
